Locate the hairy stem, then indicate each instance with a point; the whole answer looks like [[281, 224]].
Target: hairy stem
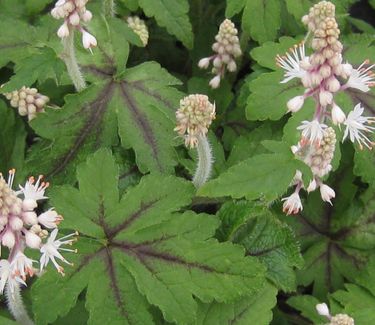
[[16, 306], [71, 62], [205, 161], [109, 8]]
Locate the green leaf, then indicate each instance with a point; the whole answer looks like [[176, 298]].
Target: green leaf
[[266, 53], [173, 15], [268, 21], [42, 65], [139, 108], [259, 105], [264, 176], [307, 306], [364, 165], [298, 8], [14, 40], [264, 237], [12, 139], [140, 250], [248, 310]]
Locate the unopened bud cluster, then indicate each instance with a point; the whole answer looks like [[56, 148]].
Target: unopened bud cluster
[[139, 27], [319, 157], [28, 101], [227, 48], [324, 74], [194, 117], [21, 227], [339, 319], [74, 12]]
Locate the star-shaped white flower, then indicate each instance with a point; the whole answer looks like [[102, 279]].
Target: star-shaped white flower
[[361, 78], [50, 250], [356, 127], [312, 131], [291, 62]]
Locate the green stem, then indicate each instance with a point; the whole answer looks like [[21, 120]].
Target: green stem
[[70, 60], [205, 161], [16, 306], [109, 8]]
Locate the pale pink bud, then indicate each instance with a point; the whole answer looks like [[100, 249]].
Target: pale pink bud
[[204, 63], [88, 40], [327, 193], [323, 310], [29, 204], [30, 218], [16, 223], [333, 85], [8, 239], [232, 66], [215, 82], [74, 19], [347, 68], [32, 240], [49, 219], [312, 186], [3, 220], [295, 104], [63, 31], [338, 116], [87, 16], [325, 98]]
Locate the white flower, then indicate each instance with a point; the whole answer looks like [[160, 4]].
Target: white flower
[[32, 240], [50, 219], [356, 128], [312, 131], [215, 82], [50, 250], [327, 193], [292, 204], [88, 40], [312, 186], [295, 104], [338, 116], [323, 310], [33, 193], [292, 61], [204, 63], [6, 276], [87, 16], [361, 78], [22, 266]]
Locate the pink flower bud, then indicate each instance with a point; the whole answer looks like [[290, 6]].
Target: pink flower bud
[[8, 239], [333, 85], [74, 19], [29, 204], [88, 40], [16, 223], [325, 98], [312, 186], [204, 63], [63, 31], [30, 218], [32, 240], [327, 193], [87, 16], [215, 82], [338, 116], [323, 310], [295, 104]]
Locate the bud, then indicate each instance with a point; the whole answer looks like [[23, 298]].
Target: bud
[[312, 186], [323, 310], [8, 239], [338, 116], [32, 240], [215, 82], [204, 63], [325, 98], [326, 193], [295, 104], [88, 40]]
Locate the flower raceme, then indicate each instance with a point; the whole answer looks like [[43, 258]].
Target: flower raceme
[[339, 319], [21, 228], [227, 49], [324, 74], [74, 12], [139, 27]]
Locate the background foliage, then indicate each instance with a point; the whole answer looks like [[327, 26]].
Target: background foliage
[[152, 250]]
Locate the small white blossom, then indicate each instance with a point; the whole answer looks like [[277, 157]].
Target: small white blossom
[[88, 40], [356, 127], [323, 310], [204, 63], [292, 61], [327, 193], [361, 78], [50, 219], [7, 276], [50, 250], [338, 116], [312, 131], [292, 204], [295, 104], [215, 82]]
